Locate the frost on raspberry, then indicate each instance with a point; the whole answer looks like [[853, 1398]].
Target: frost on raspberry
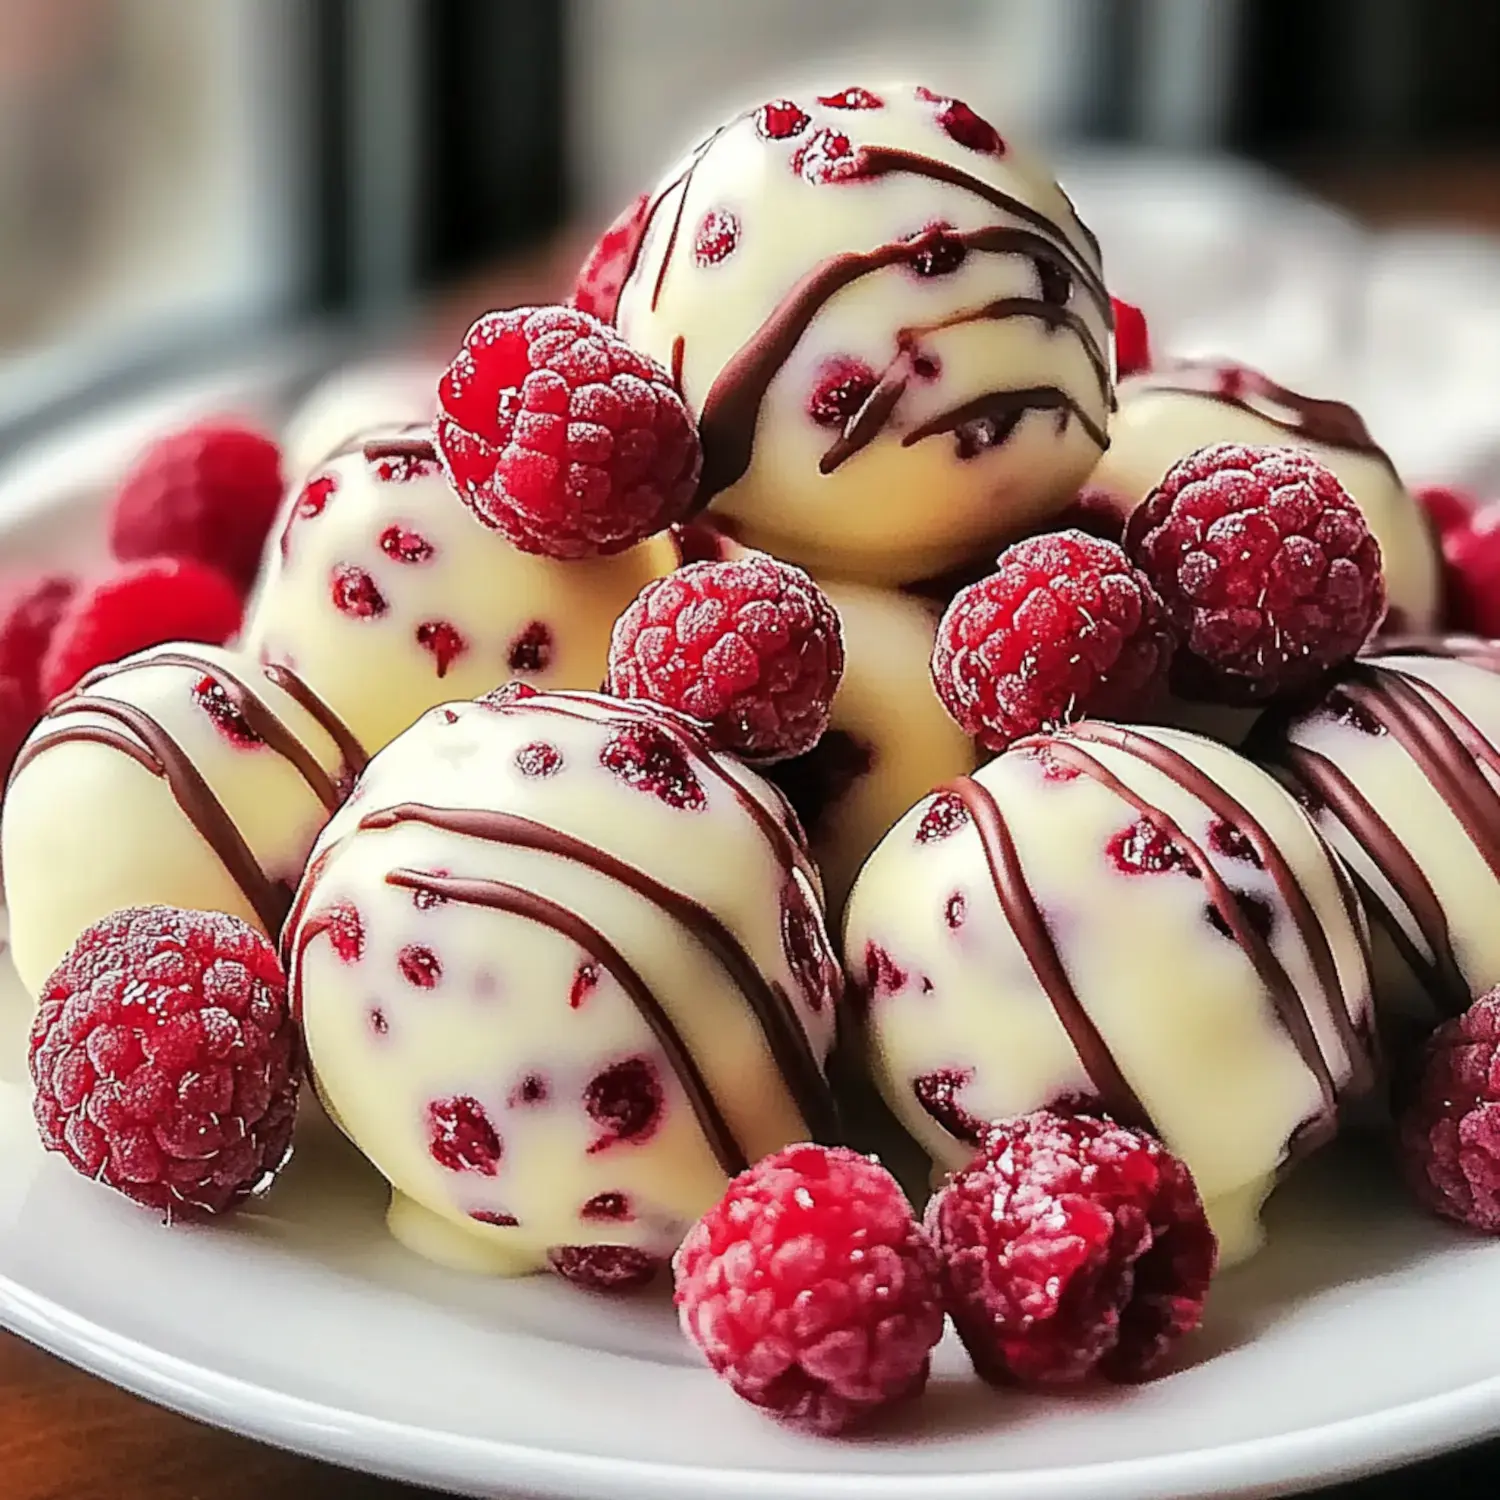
[[717, 236], [461, 1137], [648, 759], [626, 1101]]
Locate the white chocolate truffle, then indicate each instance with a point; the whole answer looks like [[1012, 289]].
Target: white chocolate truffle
[[359, 399], [1400, 763], [1167, 414], [1135, 920], [387, 596], [889, 739], [891, 324], [183, 776], [562, 970]]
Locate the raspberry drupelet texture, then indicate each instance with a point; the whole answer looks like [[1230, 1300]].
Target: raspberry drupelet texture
[[812, 1289], [1448, 1118], [1266, 565], [140, 605], [1132, 338], [28, 617], [564, 438], [1471, 572], [166, 1061], [1065, 626], [753, 648], [208, 492], [1070, 1247]]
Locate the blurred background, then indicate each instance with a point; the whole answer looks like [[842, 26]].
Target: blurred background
[[190, 182]]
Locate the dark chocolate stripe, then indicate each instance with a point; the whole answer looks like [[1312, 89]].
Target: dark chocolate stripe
[[1030, 927], [1005, 409], [269, 899], [1310, 929], [496, 895], [350, 750], [419, 450], [785, 1036]]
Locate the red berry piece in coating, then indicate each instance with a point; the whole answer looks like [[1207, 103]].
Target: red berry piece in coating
[[1065, 626], [562, 437], [603, 274], [1448, 1119], [1071, 1246], [140, 605], [209, 492], [812, 1289], [752, 648], [1132, 338], [166, 1061], [1266, 565]]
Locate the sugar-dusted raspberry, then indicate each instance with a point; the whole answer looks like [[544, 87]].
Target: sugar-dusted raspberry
[[963, 125], [29, 614], [1266, 565], [1065, 626], [605, 1268], [1071, 1246], [1446, 507], [1132, 338], [751, 647], [139, 605], [1448, 1118], [166, 1061], [1471, 572], [208, 492], [562, 437], [812, 1289], [602, 276]]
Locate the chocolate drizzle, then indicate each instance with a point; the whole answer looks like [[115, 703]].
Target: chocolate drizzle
[[996, 414], [418, 450], [785, 1037], [351, 752], [1331, 423], [499, 896]]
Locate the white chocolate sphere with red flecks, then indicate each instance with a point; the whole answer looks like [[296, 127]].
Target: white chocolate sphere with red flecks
[[182, 776], [562, 970], [890, 322], [387, 596], [360, 398], [1135, 920]]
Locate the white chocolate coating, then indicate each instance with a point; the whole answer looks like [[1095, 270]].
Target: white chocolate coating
[[514, 999], [1416, 740], [357, 399], [436, 605], [1180, 1005], [901, 507], [1158, 424], [87, 828]]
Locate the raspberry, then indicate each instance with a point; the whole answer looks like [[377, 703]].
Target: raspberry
[[140, 605], [751, 648], [1446, 508], [165, 1059], [1266, 565], [1471, 578], [1448, 1118], [1065, 627], [604, 1268], [208, 492], [812, 1290], [1132, 339], [602, 276], [28, 618], [562, 437], [1071, 1246]]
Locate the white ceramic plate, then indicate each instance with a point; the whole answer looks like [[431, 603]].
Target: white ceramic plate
[[1364, 1336]]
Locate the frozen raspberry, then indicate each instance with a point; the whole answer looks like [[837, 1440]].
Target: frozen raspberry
[[1064, 627], [751, 648], [1132, 339], [28, 617], [562, 437], [1071, 1246], [1471, 573], [602, 276], [165, 1060], [812, 1290], [208, 492], [1448, 1118], [139, 605], [1266, 566], [605, 1268], [963, 125]]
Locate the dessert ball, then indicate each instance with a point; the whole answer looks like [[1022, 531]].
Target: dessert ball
[[1173, 411], [358, 399], [1139, 922], [1400, 765], [889, 739], [184, 776], [387, 595], [891, 325], [563, 972]]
